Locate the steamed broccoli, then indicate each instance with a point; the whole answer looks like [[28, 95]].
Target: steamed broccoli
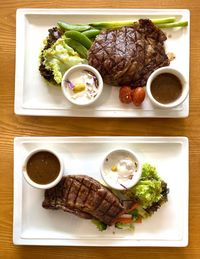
[[100, 225]]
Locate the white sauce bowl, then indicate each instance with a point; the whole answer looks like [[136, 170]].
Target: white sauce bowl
[[113, 159], [67, 92], [178, 74]]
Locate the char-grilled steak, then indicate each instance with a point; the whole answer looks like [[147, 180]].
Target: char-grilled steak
[[84, 197], [128, 55]]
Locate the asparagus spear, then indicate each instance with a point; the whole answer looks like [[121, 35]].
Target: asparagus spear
[[174, 24], [116, 24]]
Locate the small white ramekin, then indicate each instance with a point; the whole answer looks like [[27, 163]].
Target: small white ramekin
[[42, 186], [111, 159], [185, 87], [66, 90]]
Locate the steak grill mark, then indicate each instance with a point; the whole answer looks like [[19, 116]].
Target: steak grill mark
[[84, 197], [128, 55]]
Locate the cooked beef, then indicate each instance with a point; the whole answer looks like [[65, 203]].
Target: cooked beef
[[128, 55], [84, 197]]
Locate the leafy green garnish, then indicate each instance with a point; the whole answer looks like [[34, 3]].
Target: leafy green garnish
[[59, 58], [149, 171], [149, 188]]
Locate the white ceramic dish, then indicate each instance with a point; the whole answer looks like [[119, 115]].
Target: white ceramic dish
[[68, 92], [180, 76], [33, 225], [34, 97], [34, 184], [112, 159]]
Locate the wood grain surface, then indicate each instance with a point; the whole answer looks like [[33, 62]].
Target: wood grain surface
[[13, 125]]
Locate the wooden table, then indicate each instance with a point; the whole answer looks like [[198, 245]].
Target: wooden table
[[13, 125]]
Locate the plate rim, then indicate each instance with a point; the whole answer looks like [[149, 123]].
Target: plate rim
[[19, 108], [17, 194]]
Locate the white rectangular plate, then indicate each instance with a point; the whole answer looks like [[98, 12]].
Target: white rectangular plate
[[34, 97], [34, 225]]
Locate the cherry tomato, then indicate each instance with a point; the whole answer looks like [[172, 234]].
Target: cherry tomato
[[138, 95], [125, 94]]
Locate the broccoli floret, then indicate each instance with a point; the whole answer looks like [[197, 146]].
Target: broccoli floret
[[100, 225], [124, 226]]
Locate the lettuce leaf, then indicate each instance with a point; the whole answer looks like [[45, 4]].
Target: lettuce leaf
[[59, 58]]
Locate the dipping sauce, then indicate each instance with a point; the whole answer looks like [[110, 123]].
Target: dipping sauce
[[166, 88], [82, 85], [43, 167], [121, 169]]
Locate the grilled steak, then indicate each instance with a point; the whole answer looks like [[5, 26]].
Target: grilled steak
[[128, 55], [84, 197]]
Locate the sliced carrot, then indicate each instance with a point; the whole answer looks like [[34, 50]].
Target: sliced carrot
[[135, 206], [139, 219], [124, 220]]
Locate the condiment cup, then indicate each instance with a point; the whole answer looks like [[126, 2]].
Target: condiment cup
[[66, 91], [42, 186], [112, 159], [178, 74]]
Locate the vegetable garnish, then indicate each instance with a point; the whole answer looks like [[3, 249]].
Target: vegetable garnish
[[124, 226], [135, 205], [124, 220], [151, 191], [81, 38], [174, 24], [117, 24], [139, 220], [100, 225], [73, 27], [147, 195], [59, 58], [70, 84]]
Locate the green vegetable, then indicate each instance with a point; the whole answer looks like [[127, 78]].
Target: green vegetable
[[134, 214], [149, 189], [100, 225], [78, 47], [117, 24], [73, 27], [92, 33], [142, 212], [149, 171], [174, 24], [81, 38], [124, 226], [59, 58], [163, 20], [148, 192]]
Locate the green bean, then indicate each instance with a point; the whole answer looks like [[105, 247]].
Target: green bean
[[78, 47], [92, 33], [73, 27], [81, 38]]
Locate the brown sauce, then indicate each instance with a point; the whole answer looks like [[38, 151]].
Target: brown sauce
[[43, 167], [166, 88]]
